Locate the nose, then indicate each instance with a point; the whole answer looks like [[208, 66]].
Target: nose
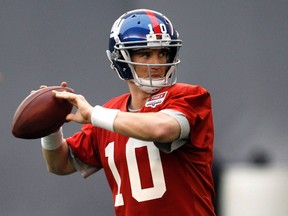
[[155, 59], [155, 69]]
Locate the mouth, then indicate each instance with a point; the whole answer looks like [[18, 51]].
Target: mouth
[[155, 74]]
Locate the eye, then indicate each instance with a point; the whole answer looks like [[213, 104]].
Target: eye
[[164, 53], [144, 54]]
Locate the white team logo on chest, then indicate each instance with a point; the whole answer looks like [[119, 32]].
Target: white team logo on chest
[[155, 100]]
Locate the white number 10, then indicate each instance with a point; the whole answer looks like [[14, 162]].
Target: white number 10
[[156, 169], [162, 28]]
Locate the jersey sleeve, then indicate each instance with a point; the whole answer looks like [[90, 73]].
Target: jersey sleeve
[[195, 103], [83, 151], [84, 169], [184, 132]]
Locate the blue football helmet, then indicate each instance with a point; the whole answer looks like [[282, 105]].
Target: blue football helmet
[[142, 29]]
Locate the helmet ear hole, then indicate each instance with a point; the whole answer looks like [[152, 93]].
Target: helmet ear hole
[[123, 70]]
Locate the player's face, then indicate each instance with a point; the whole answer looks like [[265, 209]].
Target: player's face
[[150, 56]]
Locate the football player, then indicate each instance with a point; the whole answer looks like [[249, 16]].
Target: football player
[[154, 143]]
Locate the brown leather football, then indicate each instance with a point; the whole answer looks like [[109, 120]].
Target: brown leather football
[[40, 113]]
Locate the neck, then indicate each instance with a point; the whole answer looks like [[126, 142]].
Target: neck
[[138, 97]]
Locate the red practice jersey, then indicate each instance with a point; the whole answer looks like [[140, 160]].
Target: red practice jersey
[[145, 180]]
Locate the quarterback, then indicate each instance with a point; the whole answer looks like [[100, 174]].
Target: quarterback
[[155, 143]]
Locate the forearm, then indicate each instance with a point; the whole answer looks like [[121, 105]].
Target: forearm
[[157, 127], [56, 154], [57, 161], [152, 126]]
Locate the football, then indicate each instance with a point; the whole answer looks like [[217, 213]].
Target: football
[[40, 113]]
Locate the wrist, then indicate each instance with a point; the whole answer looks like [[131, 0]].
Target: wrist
[[52, 141], [104, 117]]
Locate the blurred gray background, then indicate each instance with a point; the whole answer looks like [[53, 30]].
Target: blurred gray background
[[236, 49]]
